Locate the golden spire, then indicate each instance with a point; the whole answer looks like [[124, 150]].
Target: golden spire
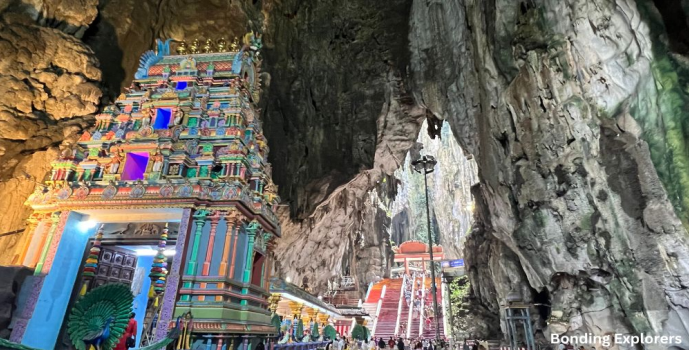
[[221, 45], [208, 47], [182, 48], [235, 44], [194, 48]]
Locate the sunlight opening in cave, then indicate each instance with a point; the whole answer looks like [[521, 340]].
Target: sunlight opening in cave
[[449, 194]]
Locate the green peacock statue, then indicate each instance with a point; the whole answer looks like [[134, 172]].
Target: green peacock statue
[[100, 317]]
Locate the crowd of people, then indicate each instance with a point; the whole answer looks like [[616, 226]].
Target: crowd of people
[[344, 343]]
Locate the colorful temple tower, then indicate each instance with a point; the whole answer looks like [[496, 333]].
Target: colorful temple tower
[[177, 166]]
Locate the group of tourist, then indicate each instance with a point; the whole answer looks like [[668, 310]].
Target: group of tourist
[[343, 343]]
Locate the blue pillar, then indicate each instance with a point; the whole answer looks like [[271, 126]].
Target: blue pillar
[[44, 327]]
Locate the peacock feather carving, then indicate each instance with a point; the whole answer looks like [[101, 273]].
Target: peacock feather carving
[[149, 58], [100, 317]]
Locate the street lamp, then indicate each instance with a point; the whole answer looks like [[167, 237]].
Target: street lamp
[[425, 166]]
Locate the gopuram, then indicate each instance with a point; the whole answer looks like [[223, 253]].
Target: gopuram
[[169, 193]]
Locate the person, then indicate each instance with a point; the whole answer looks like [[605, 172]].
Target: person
[[340, 343], [475, 345], [425, 344], [465, 346], [365, 345], [128, 339], [260, 345], [400, 344], [561, 346], [381, 343], [391, 343]]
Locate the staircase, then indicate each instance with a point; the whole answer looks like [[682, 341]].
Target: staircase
[[404, 317], [429, 332], [387, 318]]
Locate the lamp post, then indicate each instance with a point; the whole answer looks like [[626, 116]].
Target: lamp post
[[425, 166]]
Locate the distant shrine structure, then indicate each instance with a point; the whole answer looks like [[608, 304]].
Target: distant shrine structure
[[177, 167]]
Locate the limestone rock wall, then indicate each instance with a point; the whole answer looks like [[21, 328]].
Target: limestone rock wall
[[573, 212], [48, 88]]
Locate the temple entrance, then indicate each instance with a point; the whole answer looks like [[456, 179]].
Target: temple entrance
[[128, 254], [115, 265]]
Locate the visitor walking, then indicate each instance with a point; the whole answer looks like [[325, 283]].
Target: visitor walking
[[128, 339], [381, 344]]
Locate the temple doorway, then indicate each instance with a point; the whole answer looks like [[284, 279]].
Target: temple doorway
[[129, 252]]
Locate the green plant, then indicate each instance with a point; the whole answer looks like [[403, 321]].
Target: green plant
[[300, 330], [329, 332], [314, 331], [359, 332]]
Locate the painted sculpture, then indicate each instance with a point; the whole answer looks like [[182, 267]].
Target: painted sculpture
[[100, 317]]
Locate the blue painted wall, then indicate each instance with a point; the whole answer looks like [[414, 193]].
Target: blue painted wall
[[44, 326], [141, 300]]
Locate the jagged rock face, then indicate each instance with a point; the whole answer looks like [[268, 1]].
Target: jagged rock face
[[571, 201], [48, 87]]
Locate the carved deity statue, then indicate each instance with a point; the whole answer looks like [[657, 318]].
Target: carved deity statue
[[146, 117], [179, 115], [115, 163], [157, 161]]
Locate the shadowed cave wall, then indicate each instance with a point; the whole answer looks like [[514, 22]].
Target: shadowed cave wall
[[573, 110]]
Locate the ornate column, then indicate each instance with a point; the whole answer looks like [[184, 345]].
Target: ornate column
[[251, 232], [231, 218], [237, 229], [37, 241], [172, 282], [32, 222], [209, 252], [323, 319], [199, 221], [296, 308], [268, 265], [273, 301], [215, 218], [307, 316], [48, 240]]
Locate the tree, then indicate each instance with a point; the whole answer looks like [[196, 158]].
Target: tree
[[459, 291]]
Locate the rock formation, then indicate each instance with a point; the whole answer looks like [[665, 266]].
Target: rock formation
[[48, 84], [550, 97]]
